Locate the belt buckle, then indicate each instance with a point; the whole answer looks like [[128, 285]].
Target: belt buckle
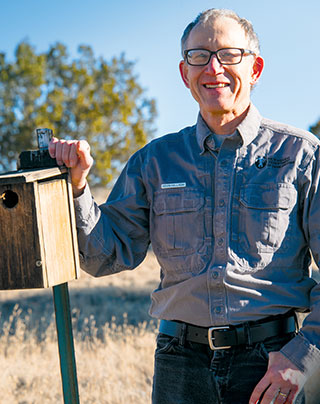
[[211, 338]]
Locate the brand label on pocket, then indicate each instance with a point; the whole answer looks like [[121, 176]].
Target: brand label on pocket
[[174, 185]]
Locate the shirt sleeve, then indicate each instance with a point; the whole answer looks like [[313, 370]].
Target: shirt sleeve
[[304, 349], [114, 236]]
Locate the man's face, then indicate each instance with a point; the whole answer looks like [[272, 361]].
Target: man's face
[[221, 89]]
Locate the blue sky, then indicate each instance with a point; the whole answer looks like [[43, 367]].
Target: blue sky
[[149, 33]]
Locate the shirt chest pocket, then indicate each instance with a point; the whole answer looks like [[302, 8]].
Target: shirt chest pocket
[[265, 216], [178, 222]]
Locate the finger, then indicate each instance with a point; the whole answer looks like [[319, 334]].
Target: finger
[[282, 397], [73, 156], [289, 399], [259, 391], [52, 147], [68, 153], [83, 153], [271, 396], [58, 151]]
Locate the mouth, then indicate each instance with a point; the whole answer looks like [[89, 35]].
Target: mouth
[[218, 85]]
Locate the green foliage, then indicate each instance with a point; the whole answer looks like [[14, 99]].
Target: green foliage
[[315, 129], [84, 98]]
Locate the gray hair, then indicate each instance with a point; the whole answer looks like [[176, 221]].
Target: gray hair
[[215, 13]]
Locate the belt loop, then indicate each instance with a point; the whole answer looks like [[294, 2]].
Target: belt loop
[[183, 333], [296, 321]]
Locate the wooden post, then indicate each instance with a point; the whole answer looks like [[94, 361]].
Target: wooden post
[[39, 243], [65, 341]]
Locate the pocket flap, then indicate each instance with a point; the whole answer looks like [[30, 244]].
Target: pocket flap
[[268, 196], [175, 201]]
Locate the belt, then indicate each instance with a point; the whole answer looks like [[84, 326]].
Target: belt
[[225, 337]]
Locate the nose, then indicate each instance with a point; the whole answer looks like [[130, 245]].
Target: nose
[[215, 65]]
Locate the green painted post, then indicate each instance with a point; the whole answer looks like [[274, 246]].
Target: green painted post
[[65, 342]]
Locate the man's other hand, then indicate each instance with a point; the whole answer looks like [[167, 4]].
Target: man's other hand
[[281, 384]]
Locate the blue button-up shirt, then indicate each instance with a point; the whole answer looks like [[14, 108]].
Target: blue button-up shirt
[[232, 227]]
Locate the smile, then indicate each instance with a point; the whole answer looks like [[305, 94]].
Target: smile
[[220, 85]]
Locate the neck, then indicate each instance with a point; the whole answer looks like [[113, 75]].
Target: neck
[[224, 123]]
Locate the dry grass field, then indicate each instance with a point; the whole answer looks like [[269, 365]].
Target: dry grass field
[[114, 341]]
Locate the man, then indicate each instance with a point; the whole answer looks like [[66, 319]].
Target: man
[[231, 209]]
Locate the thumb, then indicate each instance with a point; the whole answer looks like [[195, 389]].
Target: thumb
[[83, 154]]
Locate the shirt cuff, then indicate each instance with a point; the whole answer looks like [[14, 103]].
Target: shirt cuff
[[83, 206], [303, 354]]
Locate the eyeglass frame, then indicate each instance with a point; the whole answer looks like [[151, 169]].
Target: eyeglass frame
[[243, 52]]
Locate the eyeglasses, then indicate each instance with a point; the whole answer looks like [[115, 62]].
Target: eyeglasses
[[225, 56]]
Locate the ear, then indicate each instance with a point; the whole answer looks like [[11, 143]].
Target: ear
[[183, 67], [257, 70]]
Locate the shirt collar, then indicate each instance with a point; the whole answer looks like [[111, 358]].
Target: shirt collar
[[248, 128], [202, 133]]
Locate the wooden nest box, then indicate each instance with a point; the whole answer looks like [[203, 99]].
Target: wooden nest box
[[38, 240]]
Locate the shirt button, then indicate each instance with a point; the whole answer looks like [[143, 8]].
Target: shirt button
[[215, 275], [210, 143], [221, 203], [218, 309], [223, 163], [220, 241]]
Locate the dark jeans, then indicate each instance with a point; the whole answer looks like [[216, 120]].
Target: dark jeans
[[191, 373]]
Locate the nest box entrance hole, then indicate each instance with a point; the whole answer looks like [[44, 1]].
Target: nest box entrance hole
[[10, 199]]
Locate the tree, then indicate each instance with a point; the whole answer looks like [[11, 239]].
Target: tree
[[315, 129], [83, 98]]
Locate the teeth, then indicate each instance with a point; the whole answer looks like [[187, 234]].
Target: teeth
[[221, 85]]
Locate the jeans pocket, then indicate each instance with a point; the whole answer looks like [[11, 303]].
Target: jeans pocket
[[165, 344], [274, 344]]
